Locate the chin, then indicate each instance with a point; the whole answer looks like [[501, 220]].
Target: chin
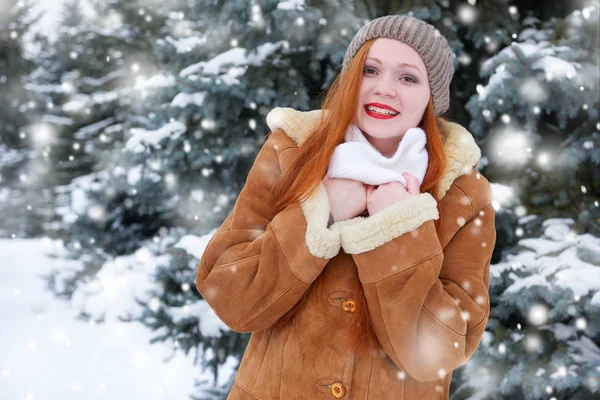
[[379, 132]]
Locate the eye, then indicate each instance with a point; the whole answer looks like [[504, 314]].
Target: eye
[[410, 79], [365, 69]]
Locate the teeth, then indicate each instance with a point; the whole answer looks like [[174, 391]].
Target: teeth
[[381, 110]]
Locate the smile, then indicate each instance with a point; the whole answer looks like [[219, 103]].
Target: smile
[[378, 113]]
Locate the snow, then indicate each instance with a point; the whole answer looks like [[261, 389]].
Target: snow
[[70, 359], [291, 5], [555, 66], [588, 249], [525, 283], [104, 97], [117, 284], [543, 246], [527, 218], [10, 156], [184, 45], [141, 137], [230, 77], [134, 175], [197, 195], [581, 279], [595, 301], [79, 204], [552, 221], [50, 18], [237, 56], [79, 186], [89, 131], [53, 119], [557, 231], [75, 104], [560, 259], [4, 194], [528, 49], [546, 60], [100, 82], [495, 81], [584, 350], [79, 101], [562, 332], [157, 81], [503, 194], [533, 34], [79, 201], [195, 245], [184, 99], [210, 324]]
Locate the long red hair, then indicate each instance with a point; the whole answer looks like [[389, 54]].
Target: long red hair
[[311, 163]]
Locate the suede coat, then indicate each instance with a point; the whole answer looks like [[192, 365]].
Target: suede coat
[[427, 291]]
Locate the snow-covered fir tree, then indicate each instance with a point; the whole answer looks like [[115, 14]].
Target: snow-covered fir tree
[[542, 338], [539, 108], [17, 202], [82, 84], [151, 114], [203, 123]]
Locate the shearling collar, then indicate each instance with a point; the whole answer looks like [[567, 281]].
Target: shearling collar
[[462, 153]]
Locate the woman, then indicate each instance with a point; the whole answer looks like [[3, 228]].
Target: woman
[[358, 251]]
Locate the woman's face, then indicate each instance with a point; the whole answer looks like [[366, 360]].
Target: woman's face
[[394, 75]]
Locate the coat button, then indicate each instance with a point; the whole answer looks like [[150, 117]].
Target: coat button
[[338, 390], [349, 305]]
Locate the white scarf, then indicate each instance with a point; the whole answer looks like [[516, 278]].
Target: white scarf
[[359, 160]]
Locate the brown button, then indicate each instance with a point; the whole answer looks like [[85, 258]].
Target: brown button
[[338, 390], [335, 300], [349, 305]]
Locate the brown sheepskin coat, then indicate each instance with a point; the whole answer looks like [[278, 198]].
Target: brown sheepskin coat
[[427, 291]]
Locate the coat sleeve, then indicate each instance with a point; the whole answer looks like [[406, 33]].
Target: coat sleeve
[[427, 295], [257, 265]]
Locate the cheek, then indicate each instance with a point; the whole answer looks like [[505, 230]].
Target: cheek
[[417, 101]]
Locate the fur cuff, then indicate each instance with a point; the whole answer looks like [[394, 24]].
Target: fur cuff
[[362, 234], [322, 242]]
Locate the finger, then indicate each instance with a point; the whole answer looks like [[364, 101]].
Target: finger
[[373, 188], [412, 183]]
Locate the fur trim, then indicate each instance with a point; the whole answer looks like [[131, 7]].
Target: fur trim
[[362, 234], [296, 124], [462, 153], [321, 241]]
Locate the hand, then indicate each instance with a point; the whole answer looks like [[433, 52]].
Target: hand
[[383, 196], [347, 197]]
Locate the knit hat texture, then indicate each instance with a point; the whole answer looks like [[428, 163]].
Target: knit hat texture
[[425, 39]]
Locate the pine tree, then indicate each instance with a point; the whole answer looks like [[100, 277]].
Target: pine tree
[[544, 328], [178, 94], [20, 217], [539, 110], [82, 82]]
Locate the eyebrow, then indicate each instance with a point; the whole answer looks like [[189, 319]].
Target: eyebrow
[[399, 64]]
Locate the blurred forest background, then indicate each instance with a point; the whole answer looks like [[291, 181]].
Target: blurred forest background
[[127, 134]]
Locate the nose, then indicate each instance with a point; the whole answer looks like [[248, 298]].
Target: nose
[[384, 90]]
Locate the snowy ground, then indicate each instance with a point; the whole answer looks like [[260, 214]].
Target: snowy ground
[[46, 354]]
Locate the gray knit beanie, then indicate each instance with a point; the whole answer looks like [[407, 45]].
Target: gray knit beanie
[[425, 40]]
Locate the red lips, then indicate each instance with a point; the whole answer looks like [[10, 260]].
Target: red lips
[[381, 106], [380, 116]]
